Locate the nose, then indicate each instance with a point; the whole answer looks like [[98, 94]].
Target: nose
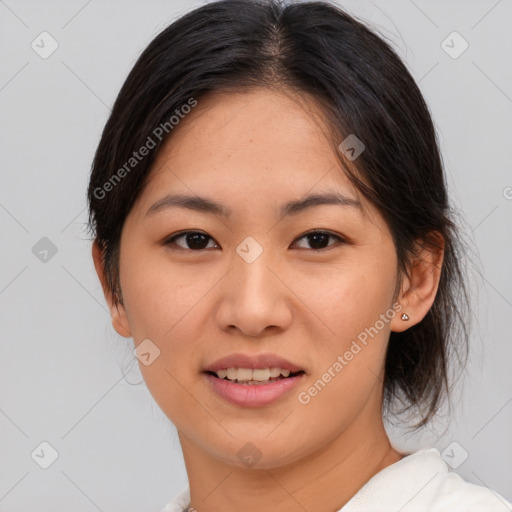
[[255, 300]]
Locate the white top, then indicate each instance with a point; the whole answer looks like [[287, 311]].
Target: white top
[[420, 482]]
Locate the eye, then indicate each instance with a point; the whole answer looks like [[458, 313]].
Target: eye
[[319, 238], [195, 240], [198, 241]]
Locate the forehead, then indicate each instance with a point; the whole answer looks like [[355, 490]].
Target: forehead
[[258, 135], [251, 149]]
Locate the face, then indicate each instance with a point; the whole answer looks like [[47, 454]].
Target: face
[[304, 284]]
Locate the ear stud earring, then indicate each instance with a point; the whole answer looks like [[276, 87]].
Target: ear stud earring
[[405, 317]]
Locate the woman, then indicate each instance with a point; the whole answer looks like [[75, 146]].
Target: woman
[[271, 227]]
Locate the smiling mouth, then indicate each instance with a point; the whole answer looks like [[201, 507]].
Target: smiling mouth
[[256, 382]]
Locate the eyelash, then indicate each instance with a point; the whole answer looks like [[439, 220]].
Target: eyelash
[[171, 240]]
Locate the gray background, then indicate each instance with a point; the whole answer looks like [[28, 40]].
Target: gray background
[[61, 362]]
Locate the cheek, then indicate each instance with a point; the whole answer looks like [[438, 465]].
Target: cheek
[[160, 303], [350, 296], [157, 295], [349, 363], [354, 302]]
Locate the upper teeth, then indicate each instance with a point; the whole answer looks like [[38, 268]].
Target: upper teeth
[[259, 374]]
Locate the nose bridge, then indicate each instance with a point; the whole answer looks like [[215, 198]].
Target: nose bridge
[[250, 267]]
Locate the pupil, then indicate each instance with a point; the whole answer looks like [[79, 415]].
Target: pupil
[[199, 241], [315, 237]]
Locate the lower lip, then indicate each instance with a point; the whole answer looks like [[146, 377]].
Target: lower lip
[[255, 395]]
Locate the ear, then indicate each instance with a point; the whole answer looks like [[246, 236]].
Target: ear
[[117, 311], [419, 288]]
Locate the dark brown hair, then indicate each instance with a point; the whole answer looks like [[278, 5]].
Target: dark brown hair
[[311, 48]]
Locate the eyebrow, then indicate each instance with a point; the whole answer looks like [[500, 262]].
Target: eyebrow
[[206, 205]]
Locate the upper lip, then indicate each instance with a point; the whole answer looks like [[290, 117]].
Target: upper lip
[[253, 362]]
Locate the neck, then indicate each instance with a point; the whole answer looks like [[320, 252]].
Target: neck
[[323, 481]]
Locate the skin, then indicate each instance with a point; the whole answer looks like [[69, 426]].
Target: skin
[[252, 152]]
